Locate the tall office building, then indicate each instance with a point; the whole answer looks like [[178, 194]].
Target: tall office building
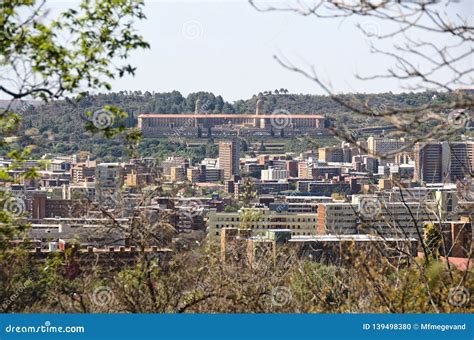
[[338, 154], [437, 162], [381, 146], [431, 162], [331, 154], [461, 160], [229, 158]]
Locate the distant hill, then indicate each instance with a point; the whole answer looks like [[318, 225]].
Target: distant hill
[[57, 127]]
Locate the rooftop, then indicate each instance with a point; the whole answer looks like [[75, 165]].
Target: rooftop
[[227, 115], [356, 237]]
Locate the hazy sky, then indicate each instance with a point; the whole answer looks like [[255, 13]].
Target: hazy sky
[[227, 47]]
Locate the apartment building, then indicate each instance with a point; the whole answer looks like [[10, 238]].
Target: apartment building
[[202, 174], [273, 174], [304, 170], [337, 218], [264, 188], [174, 161], [381, 146], [331, 154], [371, 215], [177, 173], [108, 179], [265, 219], [83, 172], [137, 179], [109, 175], [461, 160], [436, 162], [323, 188], [87, 231], [229, 158], [80, 191]]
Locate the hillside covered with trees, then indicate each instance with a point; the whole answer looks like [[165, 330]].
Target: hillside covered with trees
[[58, 126]]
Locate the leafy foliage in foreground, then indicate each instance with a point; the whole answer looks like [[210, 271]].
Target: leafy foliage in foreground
[[197, 281]]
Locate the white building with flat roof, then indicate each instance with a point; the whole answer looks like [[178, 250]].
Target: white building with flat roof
[[264, 219], [273, 174]]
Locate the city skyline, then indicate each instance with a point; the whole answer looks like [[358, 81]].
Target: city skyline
[[118, 196]]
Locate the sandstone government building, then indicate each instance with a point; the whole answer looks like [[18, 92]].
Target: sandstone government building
[[157, 125]]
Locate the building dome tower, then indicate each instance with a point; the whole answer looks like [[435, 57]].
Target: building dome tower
[[197, 106], [259, 109], [197, 111]]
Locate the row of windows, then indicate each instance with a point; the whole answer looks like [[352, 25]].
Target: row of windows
[[270, 219], [264, 227], [293, 233], [351, 215], [341, 208]]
